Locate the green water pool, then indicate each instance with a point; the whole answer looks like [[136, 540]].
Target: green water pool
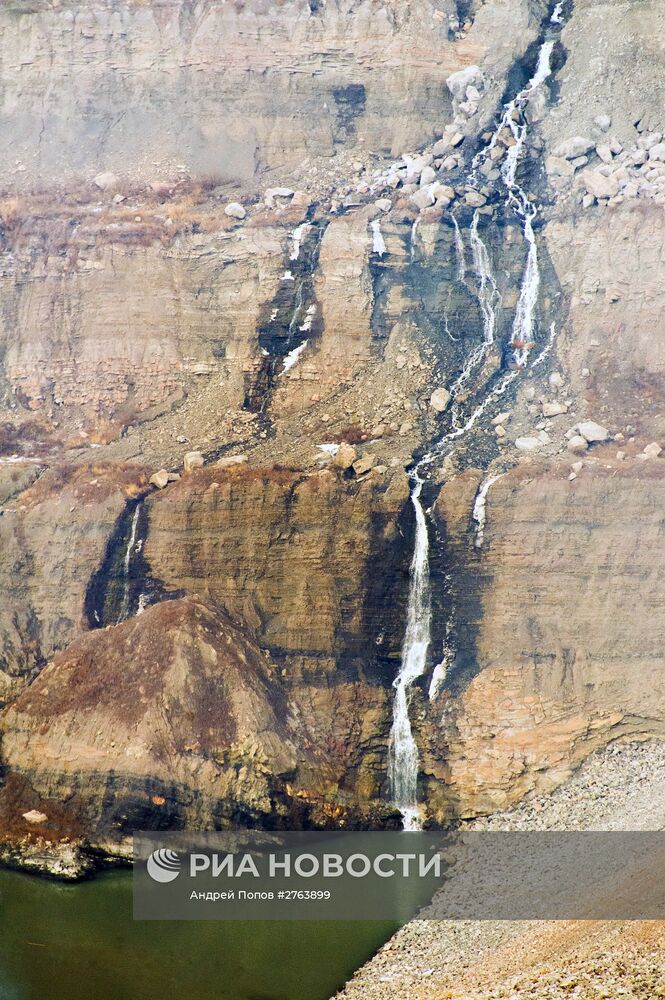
[[79, 942]]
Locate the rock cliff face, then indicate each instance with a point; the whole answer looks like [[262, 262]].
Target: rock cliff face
[[279, 252]]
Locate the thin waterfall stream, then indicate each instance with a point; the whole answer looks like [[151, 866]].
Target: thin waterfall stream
[[404, 762]]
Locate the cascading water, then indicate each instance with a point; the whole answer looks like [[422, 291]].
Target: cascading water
[[459, 250], [518, 200], [403, 750], [480, 507], [378, 243], [127, 564]]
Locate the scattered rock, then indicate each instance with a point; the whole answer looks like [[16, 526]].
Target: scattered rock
[[603, 122], [160, 479], [557, 166], [439, 399], [228, 461], [475, 199], [556, 380], [554, 409], [577, 444], [384, 204], [423, 198], [35, 816], [577, 466], [364, 464], [577, 146], [192, 460], [235, 210], [428, 176], [501, 418], [599, 185], [604, 153], [652, 450], [470, 76], [657, 152], [528, 443], [269, 198], [591, 431], [105, 180], [345, 456]]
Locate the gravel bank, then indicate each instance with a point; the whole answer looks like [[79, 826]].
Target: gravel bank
[[619, 788]]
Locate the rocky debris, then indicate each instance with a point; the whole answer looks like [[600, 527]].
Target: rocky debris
[[363, 465], [556, 380], [345, 456], [193, 460], [619, 788], [105, 181], [34, 816], [160, 479], [572, 148], [577, 444], [599, 185], [458, 83], [439, 399], [603, 122], [652, 450], [235, 210], [475, 198], [557, 166], [270, 197], [528, 444], [591, 431], [231, 461], [554, 409]]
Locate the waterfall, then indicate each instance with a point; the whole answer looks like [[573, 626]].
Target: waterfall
[[296, 238], [512, 119], [489, 298], [126, 566], [297, 309], [414, 237], [459, 250], [403, 752], [480, 507], [378, 243]]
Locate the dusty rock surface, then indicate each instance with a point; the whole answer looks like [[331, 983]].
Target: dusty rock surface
[[370, 260], [619, 788]]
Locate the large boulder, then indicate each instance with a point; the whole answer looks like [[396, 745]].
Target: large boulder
[[457, 83], [599, 185], [570, 149], [592, 432], [439, 399]]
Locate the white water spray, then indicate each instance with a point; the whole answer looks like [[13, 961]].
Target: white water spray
[[126, 565], [523, 323], [480, 507], [556, 17], [296, 239], [459, 250], [378, 242], [488, 293], [403, 752]]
